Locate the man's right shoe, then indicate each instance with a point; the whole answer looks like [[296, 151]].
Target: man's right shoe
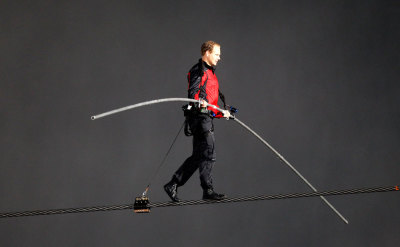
[[211, 195], [172, 191]]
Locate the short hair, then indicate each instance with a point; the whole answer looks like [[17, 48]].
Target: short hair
[[208, 46]]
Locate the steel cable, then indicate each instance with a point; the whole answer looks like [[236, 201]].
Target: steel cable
[[199, 202]]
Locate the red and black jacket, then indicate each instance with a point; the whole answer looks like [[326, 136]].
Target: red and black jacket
[[203, 83]]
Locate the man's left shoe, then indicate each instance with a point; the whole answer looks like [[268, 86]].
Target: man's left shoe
[[171, 189], [212, 195]]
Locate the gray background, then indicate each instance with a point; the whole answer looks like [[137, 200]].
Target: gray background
[[317, 79]]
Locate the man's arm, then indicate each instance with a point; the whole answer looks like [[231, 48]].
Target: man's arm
[[194, 79]]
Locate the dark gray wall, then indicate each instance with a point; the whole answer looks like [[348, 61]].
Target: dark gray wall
[[318, 79]]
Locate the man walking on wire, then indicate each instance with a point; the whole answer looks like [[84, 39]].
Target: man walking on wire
[[203, 85]]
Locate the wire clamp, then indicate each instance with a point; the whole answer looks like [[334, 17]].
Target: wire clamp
[[141, 205]]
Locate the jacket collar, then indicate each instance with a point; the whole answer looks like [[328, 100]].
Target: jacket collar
[[205, 66]]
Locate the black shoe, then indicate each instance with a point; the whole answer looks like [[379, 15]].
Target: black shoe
[[172, 191], [211, 195]]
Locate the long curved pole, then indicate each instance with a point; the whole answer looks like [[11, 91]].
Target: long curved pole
[[151, 102]]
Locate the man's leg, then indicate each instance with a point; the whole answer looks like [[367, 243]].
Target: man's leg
[[207, 156], [180, 177], [184, 172]]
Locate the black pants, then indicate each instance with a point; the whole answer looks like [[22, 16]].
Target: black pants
[[203, 156]]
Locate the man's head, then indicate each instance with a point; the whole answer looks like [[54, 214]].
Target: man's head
[[210, 52]]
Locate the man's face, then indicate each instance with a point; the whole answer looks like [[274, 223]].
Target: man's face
[[213, 57]]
